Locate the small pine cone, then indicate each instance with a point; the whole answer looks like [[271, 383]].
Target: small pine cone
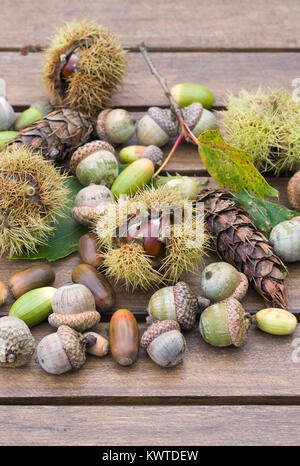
[[57, 134], [239, 242]]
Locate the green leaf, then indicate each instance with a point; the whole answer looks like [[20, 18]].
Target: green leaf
[[231, 167], [66, 234], [264, 214]]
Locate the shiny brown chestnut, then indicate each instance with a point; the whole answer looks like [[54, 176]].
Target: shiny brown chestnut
[[95, 281], [124, 337], [34, 277], [88, 250]]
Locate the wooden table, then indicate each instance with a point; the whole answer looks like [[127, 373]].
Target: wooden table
[[246, 396]]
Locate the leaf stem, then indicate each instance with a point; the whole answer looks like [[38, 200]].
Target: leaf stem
[[162, 81], [177, 142]]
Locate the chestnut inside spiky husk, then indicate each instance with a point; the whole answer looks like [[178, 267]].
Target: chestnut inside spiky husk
[[84, 64], [32, 194], [143, 257]]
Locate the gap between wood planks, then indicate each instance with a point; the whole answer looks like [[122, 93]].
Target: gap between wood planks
[[152, 401], [186, 49]]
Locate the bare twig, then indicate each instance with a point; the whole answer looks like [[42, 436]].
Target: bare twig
[[162, 81]]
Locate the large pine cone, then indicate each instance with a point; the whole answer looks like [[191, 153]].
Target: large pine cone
[[58, 134], [239, 242]]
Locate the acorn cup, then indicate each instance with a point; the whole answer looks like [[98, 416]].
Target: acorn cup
[[95, 162], [130, 154], [17, 345], [221, 280], [176, 303], [124, 337], [90, 203], [74, 305], [95, 281], [63, 351], [199, 119], [88, 250], [164, 343], [116, 126], [225, 323], [156, 127]]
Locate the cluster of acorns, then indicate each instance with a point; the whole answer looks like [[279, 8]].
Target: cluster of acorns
[[84, 64], [76, 308]]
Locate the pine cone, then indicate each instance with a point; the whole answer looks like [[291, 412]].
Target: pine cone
[[240, 243], [58, 134]]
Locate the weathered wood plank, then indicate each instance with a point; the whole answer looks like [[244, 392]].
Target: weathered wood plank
[[189, 24], [261, 372], [139, 300], [221, 72], [150, 425]]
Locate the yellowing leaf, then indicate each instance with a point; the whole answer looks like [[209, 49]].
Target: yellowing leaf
[[231, 167]]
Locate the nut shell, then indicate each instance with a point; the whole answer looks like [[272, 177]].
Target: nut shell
[[156, 329], [87, 149], [124, 337], [17, 344], [37, 276], [88, 250]]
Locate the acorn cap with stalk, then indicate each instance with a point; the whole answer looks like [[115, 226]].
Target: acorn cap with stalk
[[177, 303], [199, 119], [225, 323]]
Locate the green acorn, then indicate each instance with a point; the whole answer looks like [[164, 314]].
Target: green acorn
[[130, 154], [133, 178], [35, 112], [225, 323], [177, 303], [221, 280], [34, 306], [276, 321], [6, 137], [187, 93]]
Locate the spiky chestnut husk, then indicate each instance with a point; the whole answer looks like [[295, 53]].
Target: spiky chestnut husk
[[266, 124], [99, 63], [225, 323], [32, 194], [184, 247]]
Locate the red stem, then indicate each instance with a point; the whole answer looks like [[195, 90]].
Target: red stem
[[177, 142]]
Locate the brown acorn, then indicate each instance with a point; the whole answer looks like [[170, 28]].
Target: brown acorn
[[124, 337], [294, 191], [96, 282], [88, 250], [3, 294], [36, 276]]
